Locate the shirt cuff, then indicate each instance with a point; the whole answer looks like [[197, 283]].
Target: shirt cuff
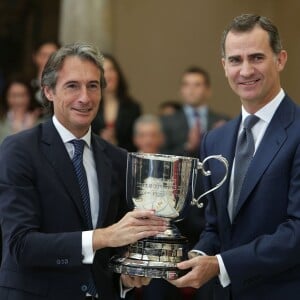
[[223, 276], [123, 290], [87, 247], [198, 252]]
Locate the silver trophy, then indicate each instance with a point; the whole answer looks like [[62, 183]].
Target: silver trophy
[[164, 183]]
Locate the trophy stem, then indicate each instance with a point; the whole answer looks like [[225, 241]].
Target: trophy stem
[[171, 231]]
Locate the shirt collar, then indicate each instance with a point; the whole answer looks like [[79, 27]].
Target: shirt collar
[[189, 110], [67, 135], [267, 112]]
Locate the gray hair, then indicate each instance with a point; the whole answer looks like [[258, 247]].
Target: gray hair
[[54, 64], [146, 119], [247, 22]]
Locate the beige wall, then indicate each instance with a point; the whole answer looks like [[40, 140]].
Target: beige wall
[[156, 40]]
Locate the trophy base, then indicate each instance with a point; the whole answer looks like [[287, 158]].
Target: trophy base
[[154, 257]]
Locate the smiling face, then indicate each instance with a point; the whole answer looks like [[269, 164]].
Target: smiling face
[[252, 68], [77, 94]]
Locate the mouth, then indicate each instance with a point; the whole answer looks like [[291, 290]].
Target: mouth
[[250, 82], [82, 110]]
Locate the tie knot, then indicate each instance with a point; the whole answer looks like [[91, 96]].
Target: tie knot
[[250, 121], [79, 146], [196, 113]]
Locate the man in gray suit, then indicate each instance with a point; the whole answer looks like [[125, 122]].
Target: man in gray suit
[[183, 130]]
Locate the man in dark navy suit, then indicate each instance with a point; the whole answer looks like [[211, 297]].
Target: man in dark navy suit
[[62, 194], [252, 237]]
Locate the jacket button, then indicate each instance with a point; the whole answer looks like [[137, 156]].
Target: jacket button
[[84, 288]]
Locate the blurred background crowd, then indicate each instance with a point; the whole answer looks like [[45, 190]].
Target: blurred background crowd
[[165, 84]]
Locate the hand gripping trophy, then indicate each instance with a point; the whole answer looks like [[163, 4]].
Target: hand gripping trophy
[[164, 183]]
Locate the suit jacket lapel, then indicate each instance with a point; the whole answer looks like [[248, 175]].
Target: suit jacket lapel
[[273, 139], [104, 174], [57, 155]]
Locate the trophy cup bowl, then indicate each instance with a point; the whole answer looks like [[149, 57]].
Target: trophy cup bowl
[[164, 183]]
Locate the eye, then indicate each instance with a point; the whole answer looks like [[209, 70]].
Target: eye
[[72, 86], [94, 86], [234, 60], [258, 58]]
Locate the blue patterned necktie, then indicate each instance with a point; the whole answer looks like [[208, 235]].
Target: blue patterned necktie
[[82, 179], [77, 161], [243, 155]]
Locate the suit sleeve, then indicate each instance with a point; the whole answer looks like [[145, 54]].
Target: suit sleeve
[[21, 217]]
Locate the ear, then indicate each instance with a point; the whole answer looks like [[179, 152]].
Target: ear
[[224, 66], [281, 60], [48, 93]]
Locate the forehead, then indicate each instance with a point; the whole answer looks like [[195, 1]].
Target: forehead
[[193, 77], [148, 126], [47, 48], [253, 41], [75, 68]]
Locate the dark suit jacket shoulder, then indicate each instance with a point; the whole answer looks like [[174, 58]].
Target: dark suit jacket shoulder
[[42, 216]]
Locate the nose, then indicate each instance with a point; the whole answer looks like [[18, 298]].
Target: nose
[[84, 95], [246, 69]]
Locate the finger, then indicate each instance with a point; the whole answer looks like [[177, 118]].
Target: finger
[[147, 228], [182, 281], [137, 281], [188, 263], [146, 234], [150, 222], [145, 280], [141, 213]]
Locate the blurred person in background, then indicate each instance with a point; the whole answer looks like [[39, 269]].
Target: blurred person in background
[[147, 134], [168, 108], [183, 130], [18, 109], [40, 56], [118, 110]]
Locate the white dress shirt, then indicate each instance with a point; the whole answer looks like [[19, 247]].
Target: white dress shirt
[[265, 115], [91, 174]]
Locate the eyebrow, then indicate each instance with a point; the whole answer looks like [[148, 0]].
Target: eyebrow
[[250, 55], [75, 81]]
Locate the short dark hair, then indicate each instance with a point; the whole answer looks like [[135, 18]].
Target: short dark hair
[[171, 103], [54, 64], [199, 71], [247, 22]]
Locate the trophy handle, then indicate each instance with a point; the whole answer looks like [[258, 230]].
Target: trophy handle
[[208, 173]]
